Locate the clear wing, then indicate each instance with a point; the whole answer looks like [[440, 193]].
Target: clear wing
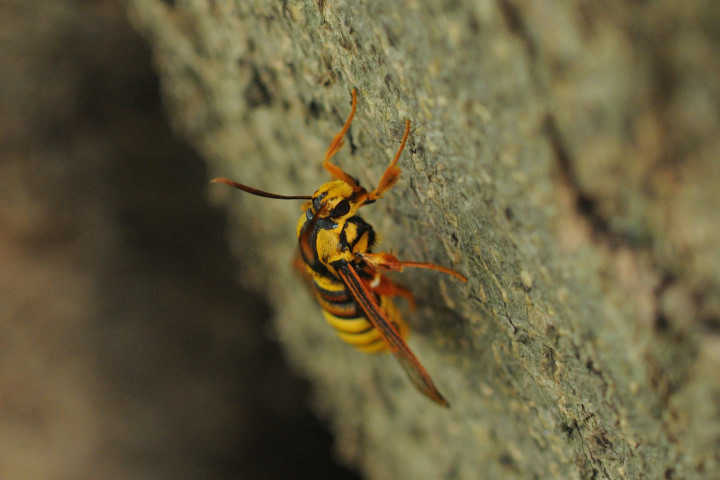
[[409, 362]]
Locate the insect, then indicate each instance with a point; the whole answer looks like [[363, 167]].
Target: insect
[[336, 250]]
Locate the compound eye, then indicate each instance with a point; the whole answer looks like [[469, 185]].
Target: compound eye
[[340, 209]]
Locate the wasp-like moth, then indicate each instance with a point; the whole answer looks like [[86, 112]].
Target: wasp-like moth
[[347, 277]]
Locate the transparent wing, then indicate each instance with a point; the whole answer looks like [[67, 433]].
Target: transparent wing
[[409, 362]]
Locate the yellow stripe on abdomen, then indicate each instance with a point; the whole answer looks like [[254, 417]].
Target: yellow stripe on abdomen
[[361, 334]]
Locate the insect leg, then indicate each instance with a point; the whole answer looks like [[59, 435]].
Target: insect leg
[[392, 173], [337, 144], [388, 261], [388, 288]]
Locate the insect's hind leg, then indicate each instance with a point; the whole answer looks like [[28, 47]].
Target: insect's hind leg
[[388, 288], [388, 261]]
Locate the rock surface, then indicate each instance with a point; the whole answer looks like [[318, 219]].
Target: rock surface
[[563, 157]]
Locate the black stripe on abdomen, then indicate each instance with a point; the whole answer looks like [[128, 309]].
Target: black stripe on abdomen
[[344, 315]]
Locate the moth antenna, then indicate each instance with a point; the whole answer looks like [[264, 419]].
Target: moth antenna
[[259, 193]]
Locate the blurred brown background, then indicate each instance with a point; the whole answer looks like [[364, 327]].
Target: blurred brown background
[[127, 348]]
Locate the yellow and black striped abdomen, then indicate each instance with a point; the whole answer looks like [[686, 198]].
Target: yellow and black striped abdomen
[[343, 314]]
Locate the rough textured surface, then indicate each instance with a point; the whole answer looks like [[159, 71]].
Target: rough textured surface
[[563, 157], [127, 348]]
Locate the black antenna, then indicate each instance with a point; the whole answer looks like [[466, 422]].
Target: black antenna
[[259, 193]]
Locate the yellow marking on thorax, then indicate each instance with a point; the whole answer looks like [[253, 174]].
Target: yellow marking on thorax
[[328, 247]]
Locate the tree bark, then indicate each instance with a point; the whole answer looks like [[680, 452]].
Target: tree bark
[[562, 157]]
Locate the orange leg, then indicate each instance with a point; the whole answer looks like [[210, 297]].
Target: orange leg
[[388, 288], [388, 261], [392, 173], [337, 144]]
